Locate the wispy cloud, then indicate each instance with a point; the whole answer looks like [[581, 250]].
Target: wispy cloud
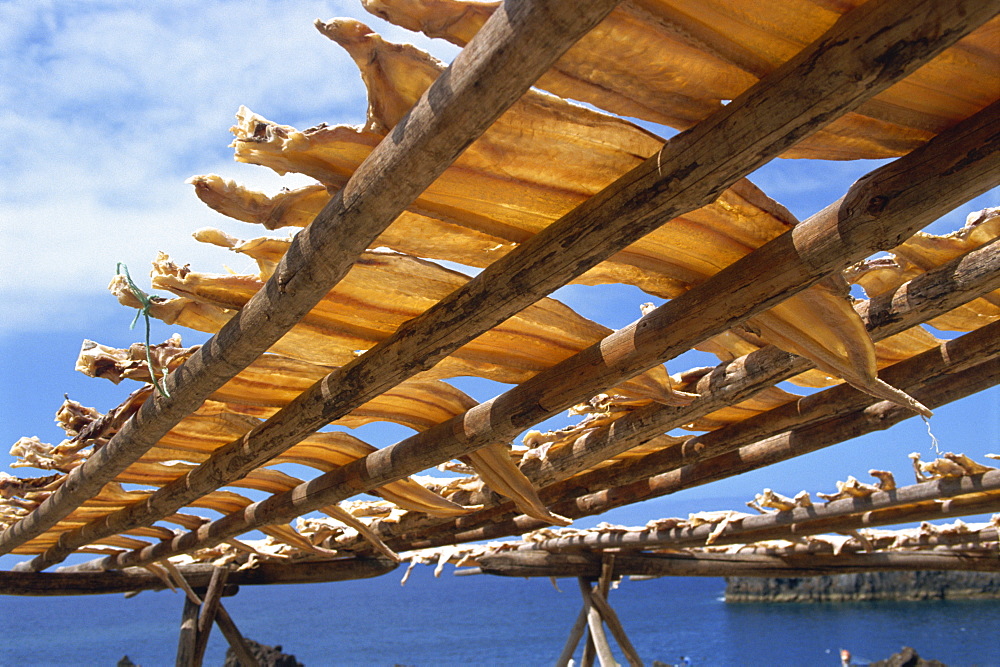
[[109, 107]]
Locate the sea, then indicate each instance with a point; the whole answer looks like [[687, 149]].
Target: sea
[[488, 620]]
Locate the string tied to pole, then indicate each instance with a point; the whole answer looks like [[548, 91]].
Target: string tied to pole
[[147, 303]]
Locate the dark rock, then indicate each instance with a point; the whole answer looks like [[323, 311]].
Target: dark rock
[[125, 662], [267, 656], [865, 586], [906, 658]]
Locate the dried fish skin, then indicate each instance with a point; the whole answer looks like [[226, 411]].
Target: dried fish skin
[[924, 252], [710, 52], [381, 292], [501, 168]]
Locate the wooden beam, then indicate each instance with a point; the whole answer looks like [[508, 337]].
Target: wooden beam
[[188, 635], [800, 521], [728, 296], [849, 63], [85, 580], [796, 442], [730, 379], [209, 609], [703, 564], [954, 356], [515, 46]]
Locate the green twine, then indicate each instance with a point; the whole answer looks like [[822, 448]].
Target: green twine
[[144, 312]]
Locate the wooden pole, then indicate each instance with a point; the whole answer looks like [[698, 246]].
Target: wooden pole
[[594, 624], [780, 523], [709, 564], [951, 357], [575, 634], [188, 635], [849, 63], [926, 296], [209, 609], [515, 46], [222, 618], [794, 443], [86, 579]]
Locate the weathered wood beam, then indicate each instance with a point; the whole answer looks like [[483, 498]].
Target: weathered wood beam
[[515, 46], [188, 635], [209, 609], [79, 580], [849, 63], [651, 337], [953, 356], [931, 294], [733, 379], [799, 521], [795, 442], [695, 564]]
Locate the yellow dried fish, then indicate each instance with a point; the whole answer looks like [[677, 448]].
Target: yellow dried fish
[[923, 252], [382, 291], [710, 51], [498, 184]]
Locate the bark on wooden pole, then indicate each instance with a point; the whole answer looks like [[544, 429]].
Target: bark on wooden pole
[[841, 234], [209, 609], [188, 634], [879, 416], [668, 184], [924, 297], [706, 564], [515, 46], [84, 580]]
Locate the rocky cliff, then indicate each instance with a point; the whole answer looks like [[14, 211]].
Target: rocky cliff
[[865, 586]]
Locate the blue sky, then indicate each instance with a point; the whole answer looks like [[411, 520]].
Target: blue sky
[[108, 107]]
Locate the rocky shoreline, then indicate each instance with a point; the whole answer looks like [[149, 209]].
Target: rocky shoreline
[[953, 585]]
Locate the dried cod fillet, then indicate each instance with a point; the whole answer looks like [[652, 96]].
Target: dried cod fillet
[[272, 381], [495, 468], [381, 292], [499, 179], [923, 252], [708, 52]]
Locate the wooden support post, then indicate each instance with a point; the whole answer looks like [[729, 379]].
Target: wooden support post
[[222, 618], [575, 633], [189, 634], [235, 638], [209, 609], [596, 627]]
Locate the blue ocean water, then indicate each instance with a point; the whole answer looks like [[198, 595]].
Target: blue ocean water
[[495, 621]]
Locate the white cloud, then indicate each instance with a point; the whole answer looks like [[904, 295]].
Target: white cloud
[[109, 107]]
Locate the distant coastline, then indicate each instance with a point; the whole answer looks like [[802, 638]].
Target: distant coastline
[[903, 586]]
